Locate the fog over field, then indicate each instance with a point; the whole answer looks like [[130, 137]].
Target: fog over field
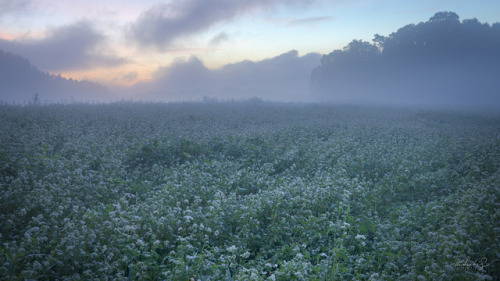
[[247, 191], [281, 78], [443, 61], [255, 140]]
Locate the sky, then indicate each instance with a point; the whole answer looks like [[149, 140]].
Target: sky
[[138, 47]]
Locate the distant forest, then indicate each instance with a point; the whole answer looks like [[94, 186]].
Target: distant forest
[[440, 61], [443, 61], [20, 78]]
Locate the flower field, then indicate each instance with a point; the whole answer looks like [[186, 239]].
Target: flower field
[[248, 191]]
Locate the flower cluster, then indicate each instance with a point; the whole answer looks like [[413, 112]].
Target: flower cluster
[[247, 191]]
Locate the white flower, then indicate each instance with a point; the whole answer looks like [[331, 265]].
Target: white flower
[[37, 265], [245, 255], [374, 276], [359, 236], [231, 249]]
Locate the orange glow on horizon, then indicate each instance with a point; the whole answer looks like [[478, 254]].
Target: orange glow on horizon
[[121, 77], [8, 37]]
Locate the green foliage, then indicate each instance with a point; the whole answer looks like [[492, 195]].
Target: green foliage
[[443, 61], [262, 193]]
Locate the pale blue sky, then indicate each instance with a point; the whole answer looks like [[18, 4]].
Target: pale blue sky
[[133, 39]]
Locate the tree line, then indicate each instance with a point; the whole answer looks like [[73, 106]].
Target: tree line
[[441, 61], [21, 81]]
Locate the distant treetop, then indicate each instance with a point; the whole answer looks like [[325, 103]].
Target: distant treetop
[[441, 61]]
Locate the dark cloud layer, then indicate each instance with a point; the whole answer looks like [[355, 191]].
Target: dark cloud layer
[[11, 6], [282, 78], [64, 48], [162, 24], [219, 38]]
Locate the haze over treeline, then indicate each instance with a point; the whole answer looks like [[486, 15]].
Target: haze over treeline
[[282, 78], [21, 81], [443, 61]]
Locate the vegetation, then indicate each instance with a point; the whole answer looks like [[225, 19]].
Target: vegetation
[[248, 191], [20, 81], [441, 61]]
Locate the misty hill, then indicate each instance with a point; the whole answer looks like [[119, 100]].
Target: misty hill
[[20, 81], [439, 62]]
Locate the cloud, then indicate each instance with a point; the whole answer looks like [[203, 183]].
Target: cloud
[[129, 77], [282, 78], [309, 20], [219, 38], [68, 47], [11, 6], [162, 24]]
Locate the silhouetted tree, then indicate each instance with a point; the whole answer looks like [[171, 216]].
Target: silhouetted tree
[[442, 61], [19, 79]]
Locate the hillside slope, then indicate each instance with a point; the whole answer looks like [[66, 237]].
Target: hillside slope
[[20, 81]]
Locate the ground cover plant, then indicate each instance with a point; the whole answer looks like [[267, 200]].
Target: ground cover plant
[[248, 191]]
